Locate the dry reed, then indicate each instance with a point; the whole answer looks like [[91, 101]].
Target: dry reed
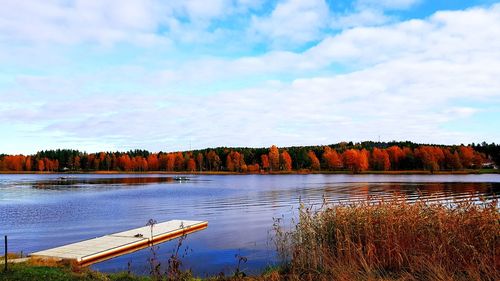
[[393, 239]]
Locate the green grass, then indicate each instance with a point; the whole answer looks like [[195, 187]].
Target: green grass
[[28, 272]]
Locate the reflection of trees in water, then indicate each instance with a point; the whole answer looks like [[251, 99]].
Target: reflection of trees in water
[[455, 191], [68, 182]]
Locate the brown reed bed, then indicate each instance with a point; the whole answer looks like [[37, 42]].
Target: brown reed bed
[[392, 239]]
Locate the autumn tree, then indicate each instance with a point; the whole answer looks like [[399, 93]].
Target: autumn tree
[[40, 165], [285, 161], [331, 159], [380, 159], [364, 156], [255, 168], [264, 159], [274, 158], [234, 161], [428, 158], [191, 165], [466, 155], [125, 163], [199, 161], [355, 160], [213, 161], [163, 159], [28, 164], [14, 162], [313, 160], [170, 162], [153, 163], [452, 160], [478, 160], [179, 163], [396, 154]]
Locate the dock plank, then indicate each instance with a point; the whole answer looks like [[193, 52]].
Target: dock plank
[[108, 246]]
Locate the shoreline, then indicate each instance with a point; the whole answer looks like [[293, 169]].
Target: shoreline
[[300, 172]]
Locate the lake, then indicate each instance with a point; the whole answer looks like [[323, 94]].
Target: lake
[[43, 211]]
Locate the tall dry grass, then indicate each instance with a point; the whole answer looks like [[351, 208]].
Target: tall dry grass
[[392, 239]]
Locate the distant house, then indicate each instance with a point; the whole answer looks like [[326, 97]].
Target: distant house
[[489, 165]]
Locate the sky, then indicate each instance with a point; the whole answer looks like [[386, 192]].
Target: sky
[[107, 75]]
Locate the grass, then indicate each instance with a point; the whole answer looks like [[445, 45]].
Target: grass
[[27, 271], [394, 240]]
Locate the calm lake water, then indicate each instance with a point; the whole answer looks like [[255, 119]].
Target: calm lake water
[[41, 211]]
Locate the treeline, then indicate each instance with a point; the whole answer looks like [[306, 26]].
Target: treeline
[[355, 157]]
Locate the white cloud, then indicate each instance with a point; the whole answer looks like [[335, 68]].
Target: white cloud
[[106, 22], [388, 4], [292, 21], [364, 17], [407, 81], [369, 13], [80, 21]]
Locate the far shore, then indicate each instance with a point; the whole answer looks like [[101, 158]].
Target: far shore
[[299, 172]]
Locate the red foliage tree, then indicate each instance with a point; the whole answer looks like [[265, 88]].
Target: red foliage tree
[[380, 159], [40, 165], [452, 160], [396, 154], [331, 159], [274, 158], [199, 161], [125, 163], [314, 160], [430, 157], [264, 159], [466, 156], [286, 161], [153, 162], [28, 164], [355, 160], [213, 161], [180, 162], [170, 162], [233, 161], [255, 168], [191, 165]]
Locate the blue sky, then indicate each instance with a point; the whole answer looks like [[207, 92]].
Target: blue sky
[[169, 75]]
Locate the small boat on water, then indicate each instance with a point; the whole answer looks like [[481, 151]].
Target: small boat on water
[[181, 178]]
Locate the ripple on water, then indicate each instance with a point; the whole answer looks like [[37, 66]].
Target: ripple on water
[[43, 211]]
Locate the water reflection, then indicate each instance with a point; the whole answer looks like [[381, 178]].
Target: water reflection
[[239, 209], [78, 182]]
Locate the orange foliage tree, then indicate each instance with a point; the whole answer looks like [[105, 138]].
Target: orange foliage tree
[[213, 161], [355, 160], [199, 161], [264, 159], [153, 163], [331, 159], [234, 161], [286, 161], [314, 160], [396, 154], [466, 156], [380, 160], [40, 165], [191, 165], [274, 158]]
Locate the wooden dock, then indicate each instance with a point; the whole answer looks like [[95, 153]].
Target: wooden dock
[[109, 246]]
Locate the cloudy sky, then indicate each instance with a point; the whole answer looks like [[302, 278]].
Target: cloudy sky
[[168, 75]]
